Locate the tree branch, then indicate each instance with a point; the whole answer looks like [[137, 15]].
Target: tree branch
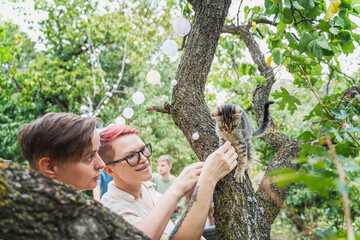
[[350, 231], [300, 224], [165, 109], [264, 20], [33, 206]]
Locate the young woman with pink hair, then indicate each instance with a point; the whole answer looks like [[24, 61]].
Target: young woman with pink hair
[[131, 194]]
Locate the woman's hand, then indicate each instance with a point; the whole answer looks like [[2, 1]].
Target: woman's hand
[[220, 162], [187, 179]]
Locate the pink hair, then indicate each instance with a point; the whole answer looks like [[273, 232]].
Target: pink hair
[[109, 134]]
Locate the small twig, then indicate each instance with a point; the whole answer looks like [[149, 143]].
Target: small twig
[[348, 78], [345, 199], [237, 15], [158, 109], [298, 11], [323, 120], [120, 75], [182, 44], [261, 35], [301, 225], [328, 83], [313, 90]]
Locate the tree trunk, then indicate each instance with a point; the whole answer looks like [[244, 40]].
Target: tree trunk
[[33, 206], [240, 213]]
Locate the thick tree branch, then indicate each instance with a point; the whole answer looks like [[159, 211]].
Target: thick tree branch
[[33, 206], [264, 20]]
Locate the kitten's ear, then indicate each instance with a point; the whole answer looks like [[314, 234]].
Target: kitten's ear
[[215, 113], [238, 110]]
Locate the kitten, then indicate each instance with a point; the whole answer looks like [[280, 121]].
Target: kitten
[[234, 125]]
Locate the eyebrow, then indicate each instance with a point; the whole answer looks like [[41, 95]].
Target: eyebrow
[[90, 153], [133, 151]]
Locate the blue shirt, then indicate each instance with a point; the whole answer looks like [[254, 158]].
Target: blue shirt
[[103, 182]]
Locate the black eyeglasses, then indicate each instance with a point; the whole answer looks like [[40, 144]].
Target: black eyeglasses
[[133, 158]]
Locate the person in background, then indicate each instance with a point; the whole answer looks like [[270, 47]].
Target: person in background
[[164, 179], [132, 195], [102, 185]]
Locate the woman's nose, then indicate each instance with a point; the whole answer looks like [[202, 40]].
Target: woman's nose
[[100, 163], [142, 157]]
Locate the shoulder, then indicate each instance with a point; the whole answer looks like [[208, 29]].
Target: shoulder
[[155, 177]]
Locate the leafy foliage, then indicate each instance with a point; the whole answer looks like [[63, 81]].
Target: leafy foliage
[[85, 49]]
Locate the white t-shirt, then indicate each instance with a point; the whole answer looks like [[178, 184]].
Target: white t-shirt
[[125, 204]]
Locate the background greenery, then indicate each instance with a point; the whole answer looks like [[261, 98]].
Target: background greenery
[[84, 53]]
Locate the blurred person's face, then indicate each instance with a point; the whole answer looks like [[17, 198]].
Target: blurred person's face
[[82, 174], [163, 167], [125, 146]]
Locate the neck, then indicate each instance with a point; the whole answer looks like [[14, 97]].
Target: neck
[[166, 177], [133, 188]]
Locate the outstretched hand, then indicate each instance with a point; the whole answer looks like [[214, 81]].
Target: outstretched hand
[[187, 179], [220, 162]]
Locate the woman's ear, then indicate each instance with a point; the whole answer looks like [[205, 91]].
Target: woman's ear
[[109, 171], [47, 167]]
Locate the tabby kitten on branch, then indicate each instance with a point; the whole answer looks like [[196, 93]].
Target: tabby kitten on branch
[[234, 125]]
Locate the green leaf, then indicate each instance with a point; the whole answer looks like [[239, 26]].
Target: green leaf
[[226, 84], [308, 149], [229, 46], [297, 5], [347, 164], [286, 99], [323, 43], [281, 27], [334, 30], [339, 114], [306, 136], [324, 25], [293, 43], [286, 16], [307, 4], [344, 36], [318, 183], [315, 50], [304, 41], [348, 47], [287, 3], [276, 53], [336, 133]]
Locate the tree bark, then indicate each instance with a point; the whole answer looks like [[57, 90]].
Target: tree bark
[[33, 206], [240, 212]]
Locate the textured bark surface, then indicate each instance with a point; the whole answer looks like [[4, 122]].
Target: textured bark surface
[[240, 212], [33, 206]]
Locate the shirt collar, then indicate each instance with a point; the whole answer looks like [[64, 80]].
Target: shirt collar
[[118, 193]]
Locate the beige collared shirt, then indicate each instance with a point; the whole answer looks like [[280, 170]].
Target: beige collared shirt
[[125, 204]]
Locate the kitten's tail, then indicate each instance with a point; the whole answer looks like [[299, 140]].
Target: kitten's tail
[[266, 121]]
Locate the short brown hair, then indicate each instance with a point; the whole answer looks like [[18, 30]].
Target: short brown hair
[[62, 137], [166, 158]]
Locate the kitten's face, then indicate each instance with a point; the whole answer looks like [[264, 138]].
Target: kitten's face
[[227, 117]]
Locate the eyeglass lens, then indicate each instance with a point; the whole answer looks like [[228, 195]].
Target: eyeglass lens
[[134, 158]]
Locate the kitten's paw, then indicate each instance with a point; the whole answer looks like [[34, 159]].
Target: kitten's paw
[[239, 177], [248, 168]]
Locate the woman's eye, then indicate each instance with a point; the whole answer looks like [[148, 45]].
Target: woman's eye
[[89, 159], [132, 156]]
